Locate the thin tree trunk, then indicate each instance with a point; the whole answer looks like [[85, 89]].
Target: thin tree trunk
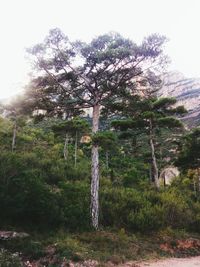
[[150, 173], [154, 161], [75, 149], [194, 186], [198, 173], [65, 149], [164, 181], [95, 171], [14, 136], [107, 160]]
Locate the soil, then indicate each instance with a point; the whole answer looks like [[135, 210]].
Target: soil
[[173, 262]]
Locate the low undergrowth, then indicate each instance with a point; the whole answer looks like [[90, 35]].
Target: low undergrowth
[[102, 247]]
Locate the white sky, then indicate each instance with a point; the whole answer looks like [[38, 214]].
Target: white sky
[[24, 23]]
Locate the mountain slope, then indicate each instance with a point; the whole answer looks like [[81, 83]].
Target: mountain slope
[[187, 93]]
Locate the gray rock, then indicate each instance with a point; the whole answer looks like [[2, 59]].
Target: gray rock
[[7, 235], [168, 174]]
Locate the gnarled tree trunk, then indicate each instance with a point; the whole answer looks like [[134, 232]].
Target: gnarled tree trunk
[[153, 156], [94, 206]]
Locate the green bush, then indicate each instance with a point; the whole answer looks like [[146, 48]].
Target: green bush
[[27, 200], [28, 247], [36, 193], [148, 211], [130, 209], [118, 203], [9, 260], [148, 218], [195, 223], [177, 212], [40, 190], [75, 204]]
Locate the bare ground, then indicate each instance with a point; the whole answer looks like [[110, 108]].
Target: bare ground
[[173, 262]]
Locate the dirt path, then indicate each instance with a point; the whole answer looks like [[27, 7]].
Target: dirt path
[[174, 262]]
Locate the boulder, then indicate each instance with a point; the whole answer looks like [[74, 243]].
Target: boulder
[[7, 235], [168, 174]]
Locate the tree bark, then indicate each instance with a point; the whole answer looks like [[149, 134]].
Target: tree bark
[[75, 149], [65, 149], [14, 136], [107, 160], [94, 207], [150, 174], [153, 156], [198, 173], [194, 186]]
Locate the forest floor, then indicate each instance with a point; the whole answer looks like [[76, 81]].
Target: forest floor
[[107, 248]]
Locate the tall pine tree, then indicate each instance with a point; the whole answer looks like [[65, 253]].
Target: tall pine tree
[[74, 75]]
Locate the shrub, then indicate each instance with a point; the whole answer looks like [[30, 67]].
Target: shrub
[[28, 247], [9, 260], [118, 203], [148, 218], [195, 224], [177, 212], [75, 203], [148, 211], [26, 200]]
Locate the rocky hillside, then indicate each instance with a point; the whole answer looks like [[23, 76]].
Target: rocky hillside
[[187, 92]]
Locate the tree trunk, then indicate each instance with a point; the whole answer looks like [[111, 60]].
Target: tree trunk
[[75, 149], [65, 150], [95, 171], [153, 156], [198, 173], [150, 174], [14, 136], [194, 186], [107, 160]]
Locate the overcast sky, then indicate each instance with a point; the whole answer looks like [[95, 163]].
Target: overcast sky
[[24, 23]]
